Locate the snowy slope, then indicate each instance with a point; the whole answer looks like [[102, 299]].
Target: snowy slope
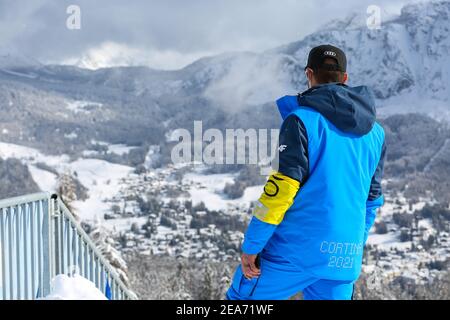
[[73, 288], [101, 178], [409, 54], [208, 188]]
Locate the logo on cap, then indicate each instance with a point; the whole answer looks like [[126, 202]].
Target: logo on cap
[[330, 53]]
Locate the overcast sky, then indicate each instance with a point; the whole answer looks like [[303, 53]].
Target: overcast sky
[[164, 34]]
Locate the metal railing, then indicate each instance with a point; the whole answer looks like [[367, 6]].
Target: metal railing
[[40, 238]]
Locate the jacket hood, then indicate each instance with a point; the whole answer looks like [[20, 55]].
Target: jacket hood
[[351, 109]]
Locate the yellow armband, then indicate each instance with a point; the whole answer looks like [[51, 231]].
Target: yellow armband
[[278, 196]]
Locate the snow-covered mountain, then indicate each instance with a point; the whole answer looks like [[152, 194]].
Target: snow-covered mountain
[[407, 56]]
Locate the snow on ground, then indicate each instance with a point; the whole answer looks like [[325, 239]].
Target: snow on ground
[[120, 149], [71, 136], [100, 177], [388, 241], [400, 204], [123, 224], [73, 288], [426, 224], [46, 181], [251, 194], [214, 182], [209, 190], [89, 153], [152, 156], [101, 143], [9, 150], [378, 239], [81, 106]]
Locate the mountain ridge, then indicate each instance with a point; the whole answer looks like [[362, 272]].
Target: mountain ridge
[[226, 90], [407, 54]]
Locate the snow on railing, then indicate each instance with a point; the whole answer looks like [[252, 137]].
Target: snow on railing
[[39, 239]]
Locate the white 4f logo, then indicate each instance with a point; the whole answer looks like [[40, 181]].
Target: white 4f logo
[[282, 147]]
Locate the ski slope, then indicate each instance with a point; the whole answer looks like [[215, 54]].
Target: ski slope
[[100, 177]]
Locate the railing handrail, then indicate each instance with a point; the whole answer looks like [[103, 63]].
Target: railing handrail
[[17, 201], [54, 209], [66, 212]]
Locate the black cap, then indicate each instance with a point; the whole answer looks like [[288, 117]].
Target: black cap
[[318, 54]]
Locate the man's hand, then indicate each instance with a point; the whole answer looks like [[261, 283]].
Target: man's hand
[[249, 268]]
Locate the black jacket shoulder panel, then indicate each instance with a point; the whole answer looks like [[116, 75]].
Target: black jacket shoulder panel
[[293, 149]]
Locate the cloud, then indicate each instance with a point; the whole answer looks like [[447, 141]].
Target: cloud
[[250, 80], [164, 34], [115, 54]]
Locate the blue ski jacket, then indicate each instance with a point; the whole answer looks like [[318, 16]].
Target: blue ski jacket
[[331, 144]]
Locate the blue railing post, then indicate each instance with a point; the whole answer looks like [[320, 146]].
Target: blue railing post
[[46, 244], [54, 218]]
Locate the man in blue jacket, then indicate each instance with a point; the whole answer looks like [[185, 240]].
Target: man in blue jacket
[[311, 223]]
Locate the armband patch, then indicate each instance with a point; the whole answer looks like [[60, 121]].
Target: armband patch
[[278, 196]]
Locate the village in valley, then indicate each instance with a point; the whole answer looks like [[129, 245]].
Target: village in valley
[[160, 213]]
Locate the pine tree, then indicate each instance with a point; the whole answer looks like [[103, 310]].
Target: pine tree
[[224, 283], [67, 191], [180, 284], [207, 284]]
